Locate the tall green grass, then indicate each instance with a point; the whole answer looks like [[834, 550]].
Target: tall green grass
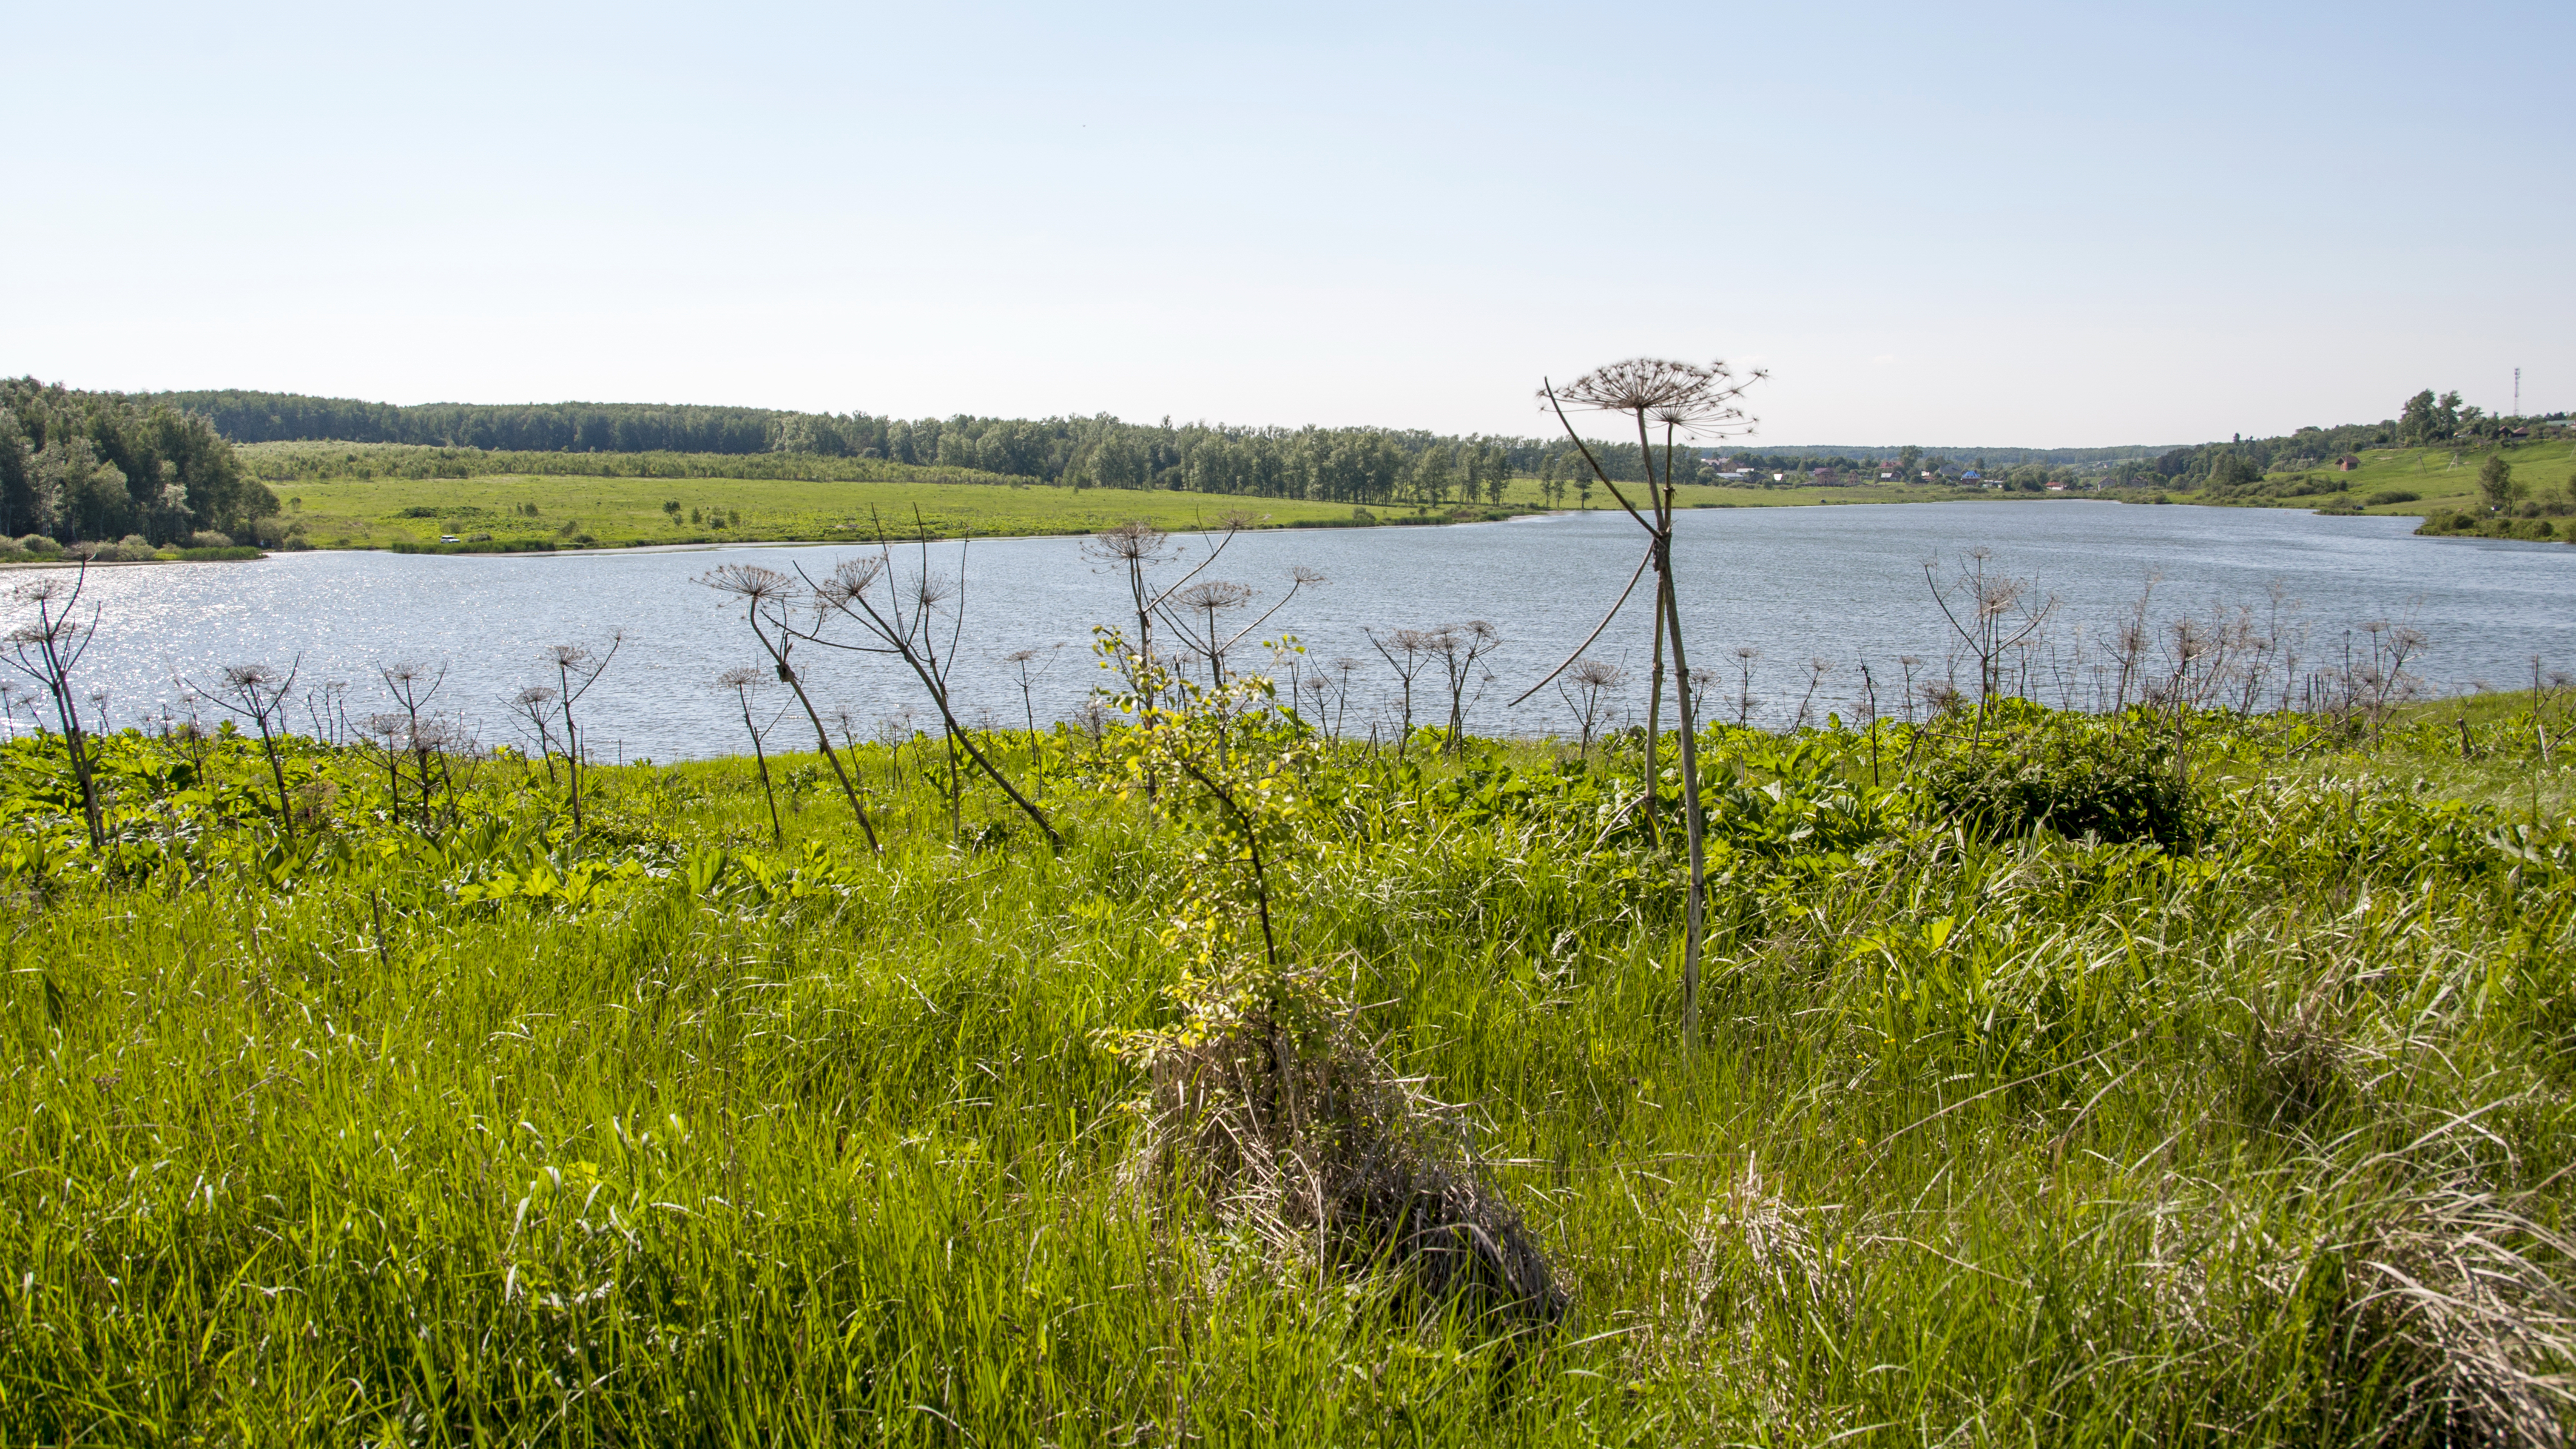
[[667, 1133]]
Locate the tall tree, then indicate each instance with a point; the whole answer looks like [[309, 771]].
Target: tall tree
[[1433, 475], [2497, 483]]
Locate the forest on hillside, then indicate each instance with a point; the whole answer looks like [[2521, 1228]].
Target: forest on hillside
[[84, 466]]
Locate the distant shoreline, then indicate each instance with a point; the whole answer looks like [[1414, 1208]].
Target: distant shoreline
[[701, 544]]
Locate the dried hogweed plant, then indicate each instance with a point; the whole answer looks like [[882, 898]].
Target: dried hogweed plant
[[767, 595], [47, 649], [1681, 399]]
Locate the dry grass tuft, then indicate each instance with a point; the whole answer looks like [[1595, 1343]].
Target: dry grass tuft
[[1276, 1106], [2295, 1064], [2466, 1302]]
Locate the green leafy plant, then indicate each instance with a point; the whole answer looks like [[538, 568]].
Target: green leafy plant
[[2118, 783]]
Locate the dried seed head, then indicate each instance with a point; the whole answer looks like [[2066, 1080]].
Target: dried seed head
[[849, 578], [1132, 542], [931, 589], [1595, 673], [1684, 396], [750, 581], [1214, 596]]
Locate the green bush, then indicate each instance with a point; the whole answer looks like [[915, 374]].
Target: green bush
[[2118, 783], [130, 549], [2387, 496]]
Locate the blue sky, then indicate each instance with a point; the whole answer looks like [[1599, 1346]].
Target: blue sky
[[1977, 224]]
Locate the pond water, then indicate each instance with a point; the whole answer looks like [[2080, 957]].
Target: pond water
[[1840, 586]]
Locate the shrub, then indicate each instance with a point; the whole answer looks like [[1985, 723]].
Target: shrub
[[39, 546], [2387, 496], [2117, 783], [129, 550], [208, 538]]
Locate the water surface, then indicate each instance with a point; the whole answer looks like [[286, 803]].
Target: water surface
[[1837, 584]]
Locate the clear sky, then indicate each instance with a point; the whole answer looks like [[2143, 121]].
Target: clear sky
[[2042, 225]]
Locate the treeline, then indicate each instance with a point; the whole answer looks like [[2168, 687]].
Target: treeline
[[300, 462], [2246, 460], [90, 466], [1854, 456], [281, 417], [1354, 465], [1807, 468], [1367, 466]]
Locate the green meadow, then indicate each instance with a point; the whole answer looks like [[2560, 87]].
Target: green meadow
[[368, 496], [2175, 1077], [623, 512]]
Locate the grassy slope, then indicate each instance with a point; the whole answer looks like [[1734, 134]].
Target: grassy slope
[[2015, 1142], [2444, 478]]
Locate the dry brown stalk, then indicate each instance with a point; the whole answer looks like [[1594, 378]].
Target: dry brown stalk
[[1680, 398]]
